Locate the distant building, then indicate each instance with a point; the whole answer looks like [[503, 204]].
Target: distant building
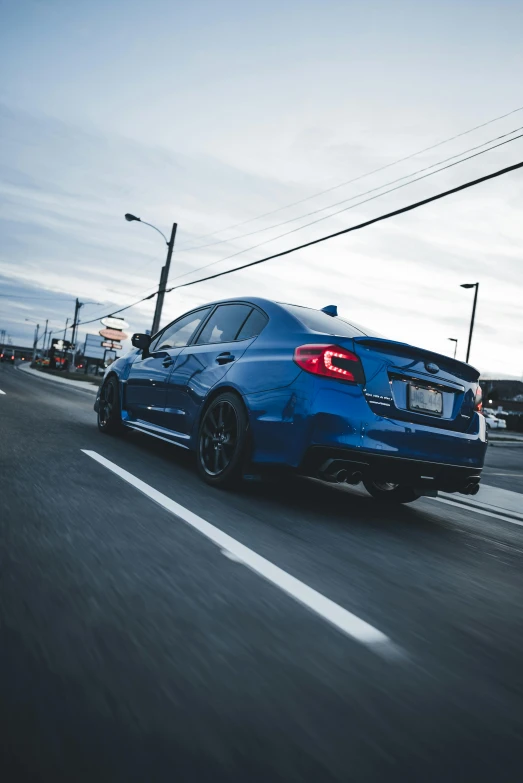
[[507, 394], [18, 351]]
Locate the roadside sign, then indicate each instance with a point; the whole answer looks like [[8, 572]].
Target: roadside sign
[[112, 322], [113, 334], [111, 345], [93, 347], [61, 345]]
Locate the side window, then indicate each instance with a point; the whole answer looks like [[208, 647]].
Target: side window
[[224, 324], [180, 332], [253, 325]]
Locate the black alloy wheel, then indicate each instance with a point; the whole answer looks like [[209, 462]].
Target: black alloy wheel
[[388, 492], [109, 415], [221, 441]]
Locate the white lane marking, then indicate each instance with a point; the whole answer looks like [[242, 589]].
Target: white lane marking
[[340, 618], [479, 510], [2, 392], [231, 556]]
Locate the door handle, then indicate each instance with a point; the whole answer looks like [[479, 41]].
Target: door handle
[[225, 358], [167, 361]]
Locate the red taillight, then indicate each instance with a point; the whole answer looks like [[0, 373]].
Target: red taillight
[[478, 404], [330, 361]]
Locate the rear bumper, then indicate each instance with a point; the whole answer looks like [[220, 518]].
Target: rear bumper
[[327, 462]]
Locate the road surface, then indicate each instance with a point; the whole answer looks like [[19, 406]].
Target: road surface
[[134, 648]]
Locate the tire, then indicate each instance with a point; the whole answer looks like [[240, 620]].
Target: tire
[[222, 439], [390, 493], [109, 411]]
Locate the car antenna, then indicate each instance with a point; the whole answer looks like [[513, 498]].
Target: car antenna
[[330, 310]]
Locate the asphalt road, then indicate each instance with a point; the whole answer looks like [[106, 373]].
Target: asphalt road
[[504, 466], [133, 649]]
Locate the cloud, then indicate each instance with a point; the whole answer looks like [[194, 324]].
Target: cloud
[[65, 189]]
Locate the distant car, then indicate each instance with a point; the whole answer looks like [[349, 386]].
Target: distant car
[[493, 422], [250, 385], [7, 356]]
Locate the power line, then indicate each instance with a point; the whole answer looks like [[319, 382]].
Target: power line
[[322, 209], [114, 312], [42, 298], [386, 216], [361, 176], [308, 198], [351, 198], [353, 206]]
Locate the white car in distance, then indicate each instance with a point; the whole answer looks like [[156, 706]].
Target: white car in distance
[[493, 422]]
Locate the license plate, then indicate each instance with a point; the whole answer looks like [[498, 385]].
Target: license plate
[[425, 400]]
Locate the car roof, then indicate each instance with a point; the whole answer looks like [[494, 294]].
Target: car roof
[[270, 306]]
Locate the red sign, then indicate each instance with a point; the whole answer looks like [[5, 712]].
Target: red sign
[[113, 334]]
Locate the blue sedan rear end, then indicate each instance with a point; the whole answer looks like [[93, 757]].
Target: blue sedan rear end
[[254, 384]]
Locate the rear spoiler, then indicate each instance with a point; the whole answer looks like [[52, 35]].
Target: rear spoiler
[[462, 370]]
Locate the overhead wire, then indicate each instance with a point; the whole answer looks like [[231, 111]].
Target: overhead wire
[[351, 198], [366, 223], [115, 312], [372, 190], [386, 216], [360, 176], [41, 298], [353, 206]]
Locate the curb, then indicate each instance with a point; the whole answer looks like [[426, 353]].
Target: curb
[[469, 503], [500, 443], [76, 385]]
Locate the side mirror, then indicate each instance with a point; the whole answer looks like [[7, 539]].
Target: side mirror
[[141, 341]]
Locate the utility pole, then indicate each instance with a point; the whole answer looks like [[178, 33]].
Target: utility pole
[[476, 287], [45, 335], [64, 353], [164, 277], [35, 341], [74, 328]]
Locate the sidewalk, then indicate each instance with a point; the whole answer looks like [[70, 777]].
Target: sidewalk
[[90, 388], [493, 499], [505, 437]]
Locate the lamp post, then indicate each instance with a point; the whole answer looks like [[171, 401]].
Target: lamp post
[[36, 338], [164, 274], [454, 340], [476, 286], [35, 341]]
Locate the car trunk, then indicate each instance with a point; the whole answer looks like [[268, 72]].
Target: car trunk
[[414, 385]]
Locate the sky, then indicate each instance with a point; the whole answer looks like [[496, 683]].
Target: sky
[[211, 114]]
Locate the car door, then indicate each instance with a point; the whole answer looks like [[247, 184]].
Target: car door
[[205, 362], [146, 387]]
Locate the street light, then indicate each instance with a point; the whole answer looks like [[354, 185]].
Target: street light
[[454, 340], [164, 274], [35, 339], [476, 286]]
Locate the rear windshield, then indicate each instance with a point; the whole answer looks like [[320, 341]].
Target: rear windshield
[[328, 324]]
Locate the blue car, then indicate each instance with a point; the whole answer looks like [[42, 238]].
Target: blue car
[[252, 385]]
